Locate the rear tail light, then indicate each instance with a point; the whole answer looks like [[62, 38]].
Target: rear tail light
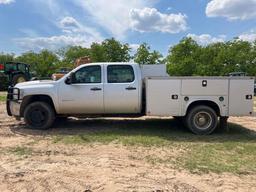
[[1, 66]]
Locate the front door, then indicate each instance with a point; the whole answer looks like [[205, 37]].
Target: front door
[[85, 94], [121, 90]]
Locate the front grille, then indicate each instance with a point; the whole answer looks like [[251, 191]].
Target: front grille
[[12, 91]]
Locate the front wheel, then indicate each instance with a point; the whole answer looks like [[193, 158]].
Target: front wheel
[[202, 120], [39, 115]]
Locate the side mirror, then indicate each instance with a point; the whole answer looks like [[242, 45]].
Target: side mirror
[[70, 79]]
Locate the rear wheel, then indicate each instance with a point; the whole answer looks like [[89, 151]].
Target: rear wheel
[[20, 78], [39, 115], [202, 120]]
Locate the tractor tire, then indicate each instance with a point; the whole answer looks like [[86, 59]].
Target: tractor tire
[[19, 78]]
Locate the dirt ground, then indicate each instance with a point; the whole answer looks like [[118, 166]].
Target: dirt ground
[[96, 166]]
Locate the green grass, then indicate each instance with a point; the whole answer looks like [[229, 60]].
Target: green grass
[[220, 157], [233, 151], [2, 98], [20, 151]]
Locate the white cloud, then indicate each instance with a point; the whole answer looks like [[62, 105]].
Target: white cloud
[[232, 9], [113, 15], [71, 25], [250, 37], [69, 22], [206, 39], [150, 20], [54, 42], [134, 46], [74, 34], [6, 1]]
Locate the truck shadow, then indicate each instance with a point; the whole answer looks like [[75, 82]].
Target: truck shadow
[[167, 129]]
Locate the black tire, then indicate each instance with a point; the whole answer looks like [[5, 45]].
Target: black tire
[[19, 78], [202, 120], [39, 115]]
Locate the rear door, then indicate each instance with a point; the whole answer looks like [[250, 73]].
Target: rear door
[[121, 89]]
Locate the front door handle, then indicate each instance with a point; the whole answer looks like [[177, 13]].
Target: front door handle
[[130, 88], [96, 89]]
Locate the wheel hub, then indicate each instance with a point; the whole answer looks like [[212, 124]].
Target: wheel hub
[[202, 120], [37, 116]]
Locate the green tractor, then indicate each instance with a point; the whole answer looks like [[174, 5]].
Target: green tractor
[[12, 73]]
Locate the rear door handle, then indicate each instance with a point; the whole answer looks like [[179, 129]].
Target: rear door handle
[[96, 89], [130, 88]]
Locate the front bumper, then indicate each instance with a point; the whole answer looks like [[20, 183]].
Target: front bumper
[[13, 102]]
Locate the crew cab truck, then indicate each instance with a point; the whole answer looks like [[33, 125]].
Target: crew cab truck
[[127, 89]]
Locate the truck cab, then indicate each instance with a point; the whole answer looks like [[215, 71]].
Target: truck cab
[[110, 88]]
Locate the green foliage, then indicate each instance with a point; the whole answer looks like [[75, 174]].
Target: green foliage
[[114, 51], [43, 63], [188, 58], [109, 50], [97, 53], [144, 56], [6, 57], [184, 59], [70, 54]]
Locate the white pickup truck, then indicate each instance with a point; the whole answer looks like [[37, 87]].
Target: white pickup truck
[[127, 89]]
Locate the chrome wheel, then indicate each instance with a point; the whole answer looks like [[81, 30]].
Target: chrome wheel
[[202, 120]]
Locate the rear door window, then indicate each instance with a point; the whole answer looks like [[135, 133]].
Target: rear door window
[[120, 74]]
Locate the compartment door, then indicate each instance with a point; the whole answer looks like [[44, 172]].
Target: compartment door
[[163, 97], [239, 103]]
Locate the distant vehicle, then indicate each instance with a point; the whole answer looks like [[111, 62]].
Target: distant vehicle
[[15, 72], [128, 89], [60, 73], [237, 74]]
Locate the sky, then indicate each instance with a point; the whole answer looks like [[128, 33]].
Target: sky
[[51, 24]]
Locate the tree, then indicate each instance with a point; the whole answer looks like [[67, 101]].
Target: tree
[[114, 51], [183, 58], [70, 54], [144, 56], [44, 63], [155, 58], [97, 53], [6, 57], [217, 59]]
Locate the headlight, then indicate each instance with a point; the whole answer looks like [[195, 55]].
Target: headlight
[[15, 94], [21, 93]]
